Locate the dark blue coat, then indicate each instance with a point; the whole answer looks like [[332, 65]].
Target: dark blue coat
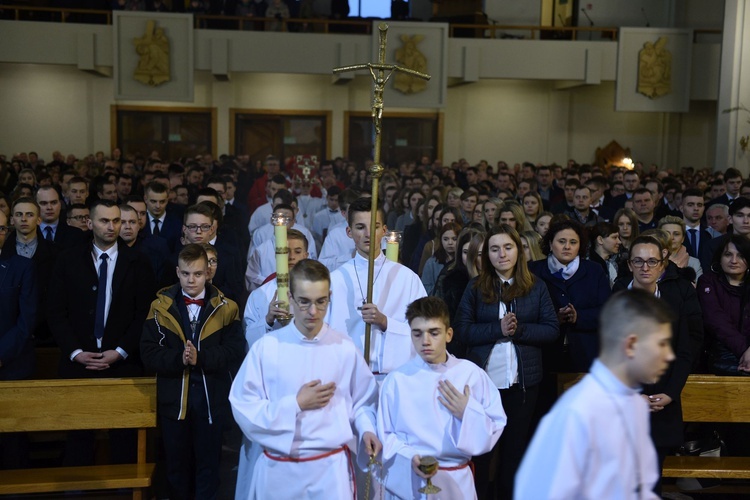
[[18, 316], [477, 326], [588, 290]]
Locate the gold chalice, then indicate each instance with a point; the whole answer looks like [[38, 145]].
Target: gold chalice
[[428, 465]]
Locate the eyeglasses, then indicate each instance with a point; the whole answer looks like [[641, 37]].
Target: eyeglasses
[[213, 262], [304, 304], [4, 229], [194, 227], [79, 218], [651, 263]]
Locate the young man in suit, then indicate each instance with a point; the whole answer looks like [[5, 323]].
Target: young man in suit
[[61, 234], [159, 222], [99, 296]]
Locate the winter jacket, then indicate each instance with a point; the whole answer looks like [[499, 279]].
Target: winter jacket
[[588, 289], [219, 341], [477, 326]]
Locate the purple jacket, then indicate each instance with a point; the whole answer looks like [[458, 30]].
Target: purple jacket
[[724, 315]]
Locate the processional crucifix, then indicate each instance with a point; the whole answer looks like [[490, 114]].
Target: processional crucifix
[[381, 73]]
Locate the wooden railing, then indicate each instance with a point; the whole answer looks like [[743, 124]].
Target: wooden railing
[[324, 25]]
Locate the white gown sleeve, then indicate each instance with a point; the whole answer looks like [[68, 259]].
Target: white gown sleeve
[[483, 421], [271, 424]]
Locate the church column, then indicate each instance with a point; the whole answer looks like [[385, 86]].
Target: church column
[[734, 87]]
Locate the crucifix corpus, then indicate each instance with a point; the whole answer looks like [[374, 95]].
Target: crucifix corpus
[[381, 73]]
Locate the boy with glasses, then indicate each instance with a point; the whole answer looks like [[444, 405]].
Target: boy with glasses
[[301, 394]]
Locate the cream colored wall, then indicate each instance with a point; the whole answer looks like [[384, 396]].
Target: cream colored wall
[[58, 107]]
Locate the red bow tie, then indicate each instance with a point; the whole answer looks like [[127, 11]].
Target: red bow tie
[[188, 301]]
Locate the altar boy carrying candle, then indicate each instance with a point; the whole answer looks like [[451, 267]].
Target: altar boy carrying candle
[[435, 405]]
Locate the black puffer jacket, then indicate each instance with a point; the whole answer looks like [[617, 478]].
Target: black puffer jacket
[[477, 326]]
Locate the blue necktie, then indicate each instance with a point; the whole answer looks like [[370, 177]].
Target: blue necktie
[[694, 241], [101, 298], [48, 233]]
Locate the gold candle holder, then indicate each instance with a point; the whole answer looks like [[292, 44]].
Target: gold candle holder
[[280, 223]]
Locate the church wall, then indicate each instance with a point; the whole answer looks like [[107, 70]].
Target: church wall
[[58, 107]]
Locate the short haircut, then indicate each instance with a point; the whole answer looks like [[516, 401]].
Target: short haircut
[[156, 187], [211, 192], [25, 199], [630, 312], [278, 179], [572, 182], [127, 208], [738, 205], [720, 206], [333, 191], [732, 173], [47, 188], [79, 206], [642, 190], [659, 185], [193, 252], [603, 229], [101, 203], [692, 192], [284, 195], [216, 179], [348, 195], [283, 206], [78, 180], [671, 219], [429, 308], [294, 234], [200, 209], [363, 204], [308, 270]]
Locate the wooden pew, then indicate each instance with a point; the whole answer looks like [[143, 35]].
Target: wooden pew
[[62, 405], [709, 398], [705, 398]]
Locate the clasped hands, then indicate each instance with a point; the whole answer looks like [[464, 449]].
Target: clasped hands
[[190, 355], [98, 360], [567, 314]]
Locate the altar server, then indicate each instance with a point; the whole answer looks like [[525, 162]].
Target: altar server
[[435, 405], [394, 287], [302, 393], [595, 442]]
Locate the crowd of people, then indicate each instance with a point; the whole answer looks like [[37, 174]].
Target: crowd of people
[[132, 266]]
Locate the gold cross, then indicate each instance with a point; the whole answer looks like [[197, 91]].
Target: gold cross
[[381, 73]]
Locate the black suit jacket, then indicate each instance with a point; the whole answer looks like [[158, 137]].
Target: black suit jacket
[[68, 236], [72, 309], [18, 312], [44, 260], [170, 230], [705, 252]]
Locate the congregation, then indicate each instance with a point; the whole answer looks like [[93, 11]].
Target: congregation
[[136, 265]]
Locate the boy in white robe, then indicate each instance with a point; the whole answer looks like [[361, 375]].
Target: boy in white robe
[[394, 287], [301, 394], [262, 308], [595, 442], [435, 405]]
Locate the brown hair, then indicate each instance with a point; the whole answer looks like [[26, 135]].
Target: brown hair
[[193, 252], [308, 270], [488, 282], [429, 308]]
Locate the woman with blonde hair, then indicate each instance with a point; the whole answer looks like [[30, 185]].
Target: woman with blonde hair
[[453, 198], [492, 209], [532, 205], [532, 246], [675, 229]]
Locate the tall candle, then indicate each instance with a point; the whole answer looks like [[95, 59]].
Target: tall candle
[[392, 240], [282, 260]]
